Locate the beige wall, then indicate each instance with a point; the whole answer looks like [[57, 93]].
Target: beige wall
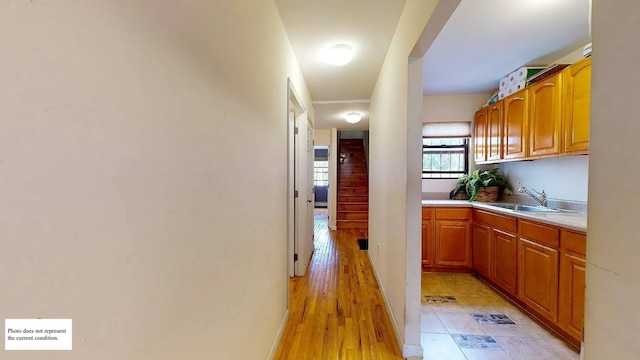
[[613, 243], [445, 108], [394, 181], [563, 178], [131, 133], [322, 136]]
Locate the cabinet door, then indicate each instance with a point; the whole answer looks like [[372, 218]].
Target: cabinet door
[[427, 241], [571, 297], [453, 243], [504, 255], [494, 131], [515, 134], [538, 277], [577, 103], [545, 116], [479, 136], [482, 249]]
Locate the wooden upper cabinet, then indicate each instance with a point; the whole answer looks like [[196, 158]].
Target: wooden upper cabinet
[[545, 116], [515, 137], [494, 131], [577, 100], [479, 136]]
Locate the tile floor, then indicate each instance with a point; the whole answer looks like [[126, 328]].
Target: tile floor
[[464, 319]]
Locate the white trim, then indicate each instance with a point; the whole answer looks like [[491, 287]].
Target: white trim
[[387, 304], [414, 351], [276, 342], [362, 101]]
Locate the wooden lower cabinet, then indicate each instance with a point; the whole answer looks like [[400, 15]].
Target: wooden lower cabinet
[[495, 249], [427, 231], [538, 277], [446, 239], [453, 243], [482, 249], [504, 255], [572, 283]]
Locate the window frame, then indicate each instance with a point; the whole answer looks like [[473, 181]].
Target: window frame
[[464, 146], [315, 161]]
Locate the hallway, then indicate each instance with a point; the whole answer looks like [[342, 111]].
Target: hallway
[[337, 310]]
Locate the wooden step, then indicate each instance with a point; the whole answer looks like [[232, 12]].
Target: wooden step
[[353, 199], [352, 224], [353, 183], [353, 177], [352, 215], [352, 207], [353, 190]]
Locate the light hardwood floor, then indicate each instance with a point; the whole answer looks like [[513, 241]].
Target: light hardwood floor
[[337, 310]]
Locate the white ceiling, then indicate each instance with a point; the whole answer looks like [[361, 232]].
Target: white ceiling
[[482, 41], [485, 40]]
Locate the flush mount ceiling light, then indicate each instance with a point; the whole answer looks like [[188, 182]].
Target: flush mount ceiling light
[[353, 117], [339, 55]]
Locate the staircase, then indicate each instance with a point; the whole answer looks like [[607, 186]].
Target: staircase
[[353, 186]]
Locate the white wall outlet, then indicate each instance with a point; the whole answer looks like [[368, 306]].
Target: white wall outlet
[[378, 249]]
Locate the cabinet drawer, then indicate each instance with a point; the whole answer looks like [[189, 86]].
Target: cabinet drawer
[[453, 213], [427, 213], [542, 234], [574, 242], [506, 223]]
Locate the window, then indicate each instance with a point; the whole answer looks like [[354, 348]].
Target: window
[[445, 158], [321, 173]]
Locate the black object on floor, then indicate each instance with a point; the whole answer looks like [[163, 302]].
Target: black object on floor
[[364, 244]]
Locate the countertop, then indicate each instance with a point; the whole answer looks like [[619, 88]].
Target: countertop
[[571, 220]]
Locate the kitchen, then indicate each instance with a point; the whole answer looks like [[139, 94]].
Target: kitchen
[[534, 256]]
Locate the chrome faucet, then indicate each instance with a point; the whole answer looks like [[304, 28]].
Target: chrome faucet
[[542, 198]]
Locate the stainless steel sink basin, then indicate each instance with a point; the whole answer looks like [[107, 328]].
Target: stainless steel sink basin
[[528, 208]]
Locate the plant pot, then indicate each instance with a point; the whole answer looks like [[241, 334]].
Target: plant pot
[[488, 194]]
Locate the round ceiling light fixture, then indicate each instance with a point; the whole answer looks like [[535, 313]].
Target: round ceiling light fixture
[[339, 55], [353, 117]]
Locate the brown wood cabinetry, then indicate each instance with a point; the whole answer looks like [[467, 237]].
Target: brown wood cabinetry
[[515, 139], [494, 248], [545, 116], [577, 100], [494, 131], [572, 283], [549, 118], [504, 255], [538, 268], [479, 136], [453, 237], [482, 249], [446, 239], [427, 237]]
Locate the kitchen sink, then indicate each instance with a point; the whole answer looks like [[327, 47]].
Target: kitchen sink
[[528, 208]]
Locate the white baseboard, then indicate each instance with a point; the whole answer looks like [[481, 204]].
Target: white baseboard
[[276, 342], [387, 304], [408, 351], [412, 351]]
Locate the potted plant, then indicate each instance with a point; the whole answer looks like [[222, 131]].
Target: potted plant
[[484, 185]]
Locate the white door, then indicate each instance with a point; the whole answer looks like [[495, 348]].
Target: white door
[[303, 183]]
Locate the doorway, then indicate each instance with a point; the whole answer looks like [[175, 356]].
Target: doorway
[[300, 196]]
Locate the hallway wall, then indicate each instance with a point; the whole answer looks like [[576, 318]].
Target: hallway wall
[[394, 175], [613, 241], [142, 175]]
